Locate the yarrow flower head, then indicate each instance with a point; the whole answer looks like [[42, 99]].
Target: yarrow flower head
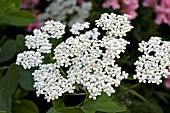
[[88, 58], [29, 59], [155, 62], [66, 11], [50, 82], [116, 25]]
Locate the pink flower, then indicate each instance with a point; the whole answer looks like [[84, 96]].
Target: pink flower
[[80, 1], [27, 3], [35, 2], [111, 3], [163, 12], [150, 3], [167, 82], [129, 7], [33, 26]]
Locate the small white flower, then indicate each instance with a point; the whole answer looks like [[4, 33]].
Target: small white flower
[[54, 29], [29, 59], [116, 25], [154, 64], [50, 82], [78, 26], [68, 12]]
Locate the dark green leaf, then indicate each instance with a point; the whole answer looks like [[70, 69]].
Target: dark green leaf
[[6, 6], [17, 3], [69, 110], [17, 18], [58, 104], [102, 103], [0, 50], [51, 110], [26, 106], [8, 84], [8, 50], [26, 81], [20, 43], [20, 93]]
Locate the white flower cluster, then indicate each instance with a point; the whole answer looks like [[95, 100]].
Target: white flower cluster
[[155, 62], [116, 25], [29, 59], [88, 58], [91, 61], [66, 11], [78, 26], [40, 42], [54, 29], [49, 82]]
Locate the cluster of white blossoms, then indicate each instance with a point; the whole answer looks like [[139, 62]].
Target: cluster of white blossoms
[[115, 25], [76, 28], [66, 11], [29, 59], [89, 58], [40, 43], [155, 62], [50, 82]]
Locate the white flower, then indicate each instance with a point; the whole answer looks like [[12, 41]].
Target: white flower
[[89, 65], [154, 64], [88, 58], [116, 25], [78, 26], [67, 12], [49, 82], [39, 41], [54, 29], [29, 59]]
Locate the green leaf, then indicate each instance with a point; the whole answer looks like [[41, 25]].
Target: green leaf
[[26, 106], [17, 18], [26, 81], [8, 84], [6, 6], [102, 103], [8, 50], [20, 43], [69, 110], [58, 104], [51, 110], [17, 3]]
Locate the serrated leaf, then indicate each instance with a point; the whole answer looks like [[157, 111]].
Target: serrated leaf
[[17, 18], [26, 81], [51, 110], [69, 110], [8, 50], [102, 103], [26, 106], [58, 104], [8, 84]]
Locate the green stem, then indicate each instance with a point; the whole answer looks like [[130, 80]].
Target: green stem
[[82, 93], [4, 67], [143, 99], [127, 89], [76, 94], [81, 88], [63, 73]]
